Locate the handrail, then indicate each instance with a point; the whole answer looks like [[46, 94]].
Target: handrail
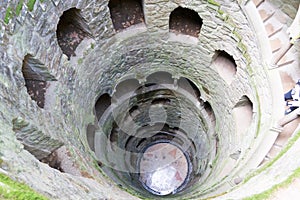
[[290, 117]]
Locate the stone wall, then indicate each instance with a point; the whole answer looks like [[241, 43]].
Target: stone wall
[[103, 59], [288, 7]]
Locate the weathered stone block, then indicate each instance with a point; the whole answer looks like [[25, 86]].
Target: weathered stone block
[[37, 142]]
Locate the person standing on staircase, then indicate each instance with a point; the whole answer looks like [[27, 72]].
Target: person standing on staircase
[[292, 98]]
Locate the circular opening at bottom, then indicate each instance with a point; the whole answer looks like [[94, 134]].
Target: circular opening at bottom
[[163, 168]]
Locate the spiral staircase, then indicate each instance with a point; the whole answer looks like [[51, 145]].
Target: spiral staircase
[[89, 90]]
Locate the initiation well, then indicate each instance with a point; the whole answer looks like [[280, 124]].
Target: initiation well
[[151, 99]]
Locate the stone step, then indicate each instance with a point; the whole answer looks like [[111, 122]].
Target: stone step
[[285, 61], [257, 3], [276, 44], [289, 57], [266, 10], [280, 41], [271, 30], [264, 161], [273, 26], [274, 151], [265, 15], [282, 140]]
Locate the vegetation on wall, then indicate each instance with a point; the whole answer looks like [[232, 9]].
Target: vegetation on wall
[[30, 4], [214, 3], [268, 193], [8, 15], [10, 189], [11, 11], [19, 7], [281, 153]]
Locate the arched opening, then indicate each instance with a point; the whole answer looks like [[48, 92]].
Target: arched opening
[[243, 113], [189, 87], [38, 142], [225, 66], [159, 118], [90, 135], [37, 79], [185, 21], [102, 104], [125, 88], [209, 110], [125, 13], [160, 78], [71, 30]]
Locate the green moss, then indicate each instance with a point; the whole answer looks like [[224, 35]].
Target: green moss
[[213, 2], [8, 15], [92, 45], [237, 35], [248, 59], [221, 12], [80, 61], [19, 7], [229, 21], [281, 153], [10, 189], [266, 194], [257, 197], [258, 112], [223, 17], [242, 47], [30, 4]]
